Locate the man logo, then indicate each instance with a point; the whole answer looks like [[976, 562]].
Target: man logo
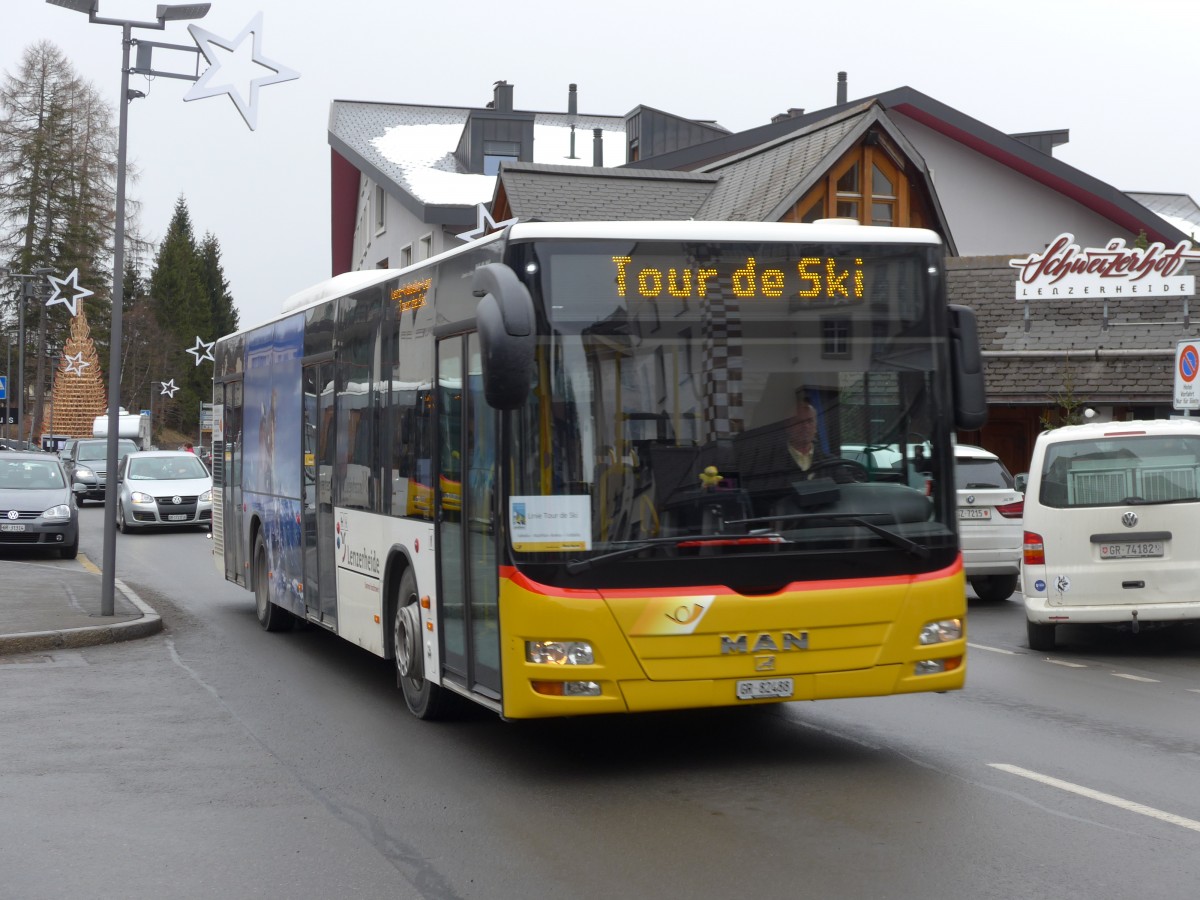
[[764, 643]]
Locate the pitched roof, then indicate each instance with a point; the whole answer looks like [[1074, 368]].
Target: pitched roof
[[1069, 348], [575, 194], [1007, 150]]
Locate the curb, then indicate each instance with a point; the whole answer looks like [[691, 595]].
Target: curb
[[149, 623]]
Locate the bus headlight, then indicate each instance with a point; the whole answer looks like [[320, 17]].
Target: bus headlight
[[941, 631], [937, 666], [560, 653]]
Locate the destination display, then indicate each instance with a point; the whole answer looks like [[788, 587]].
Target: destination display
[[819, 278]]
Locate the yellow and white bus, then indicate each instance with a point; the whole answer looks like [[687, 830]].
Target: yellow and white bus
[[552, 471]]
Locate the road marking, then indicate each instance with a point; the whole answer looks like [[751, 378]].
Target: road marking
[[1120, 803], [88, 564], [992, 649], [1135, 678], [1194, 690], [1063, 662]]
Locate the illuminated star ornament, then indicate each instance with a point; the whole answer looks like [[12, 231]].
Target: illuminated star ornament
[[169, 387], [484, 224], [202, 351], [213, 83], [76, 363], [77, 292]]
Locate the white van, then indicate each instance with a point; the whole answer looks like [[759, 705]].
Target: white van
[[1111, 512]]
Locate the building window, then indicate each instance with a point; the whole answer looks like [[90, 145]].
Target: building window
[[497, 152], [868, 185], [406, 256], [835, 338], [380, 209], [427, 246], [382, 264]]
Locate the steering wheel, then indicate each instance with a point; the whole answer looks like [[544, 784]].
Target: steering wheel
[[842, 471]]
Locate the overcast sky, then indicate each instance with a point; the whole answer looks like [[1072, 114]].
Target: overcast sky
[[1120, 76]]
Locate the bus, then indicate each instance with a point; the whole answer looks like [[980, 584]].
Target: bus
[[541, 471]]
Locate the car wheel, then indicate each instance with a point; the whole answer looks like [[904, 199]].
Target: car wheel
[[1041, 637], [424, 699], [70, 551], [994, 588], [270, 616], [122, 525]]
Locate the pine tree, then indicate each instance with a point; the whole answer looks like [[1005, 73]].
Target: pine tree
[[220, 301], [183, 311]]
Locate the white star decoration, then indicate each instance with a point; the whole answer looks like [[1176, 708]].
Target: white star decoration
[[169, 387], [76, 363], [202, 351], [78, 293], [208, 85], [484, 222]]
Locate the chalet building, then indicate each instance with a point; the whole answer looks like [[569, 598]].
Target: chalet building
[[899, 158]]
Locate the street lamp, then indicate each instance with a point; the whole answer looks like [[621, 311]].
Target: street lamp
[[26, 292], [164, 13]]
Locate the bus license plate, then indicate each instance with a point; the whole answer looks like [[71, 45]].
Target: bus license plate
[[1131, 550], [177, 517], [9, 527], [760, 689], [974, 513]]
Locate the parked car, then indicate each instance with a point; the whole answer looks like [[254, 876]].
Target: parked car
[[88, 466], [37, 508], [67, 447], [990, 522], [1109, 515], [163, 487]]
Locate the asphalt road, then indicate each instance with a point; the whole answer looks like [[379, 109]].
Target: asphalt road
[[216, 759]]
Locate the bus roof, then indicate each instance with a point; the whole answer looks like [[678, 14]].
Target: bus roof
[[821, 231]]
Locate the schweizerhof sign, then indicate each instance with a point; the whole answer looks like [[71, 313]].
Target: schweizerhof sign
[[1064, 270]]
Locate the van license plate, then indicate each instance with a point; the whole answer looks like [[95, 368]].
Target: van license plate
[[766, 687], [1131, 550], [973, 512], [7, 527]]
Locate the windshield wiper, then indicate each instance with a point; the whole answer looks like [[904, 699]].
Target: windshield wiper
[[696, 540], [918, 550]]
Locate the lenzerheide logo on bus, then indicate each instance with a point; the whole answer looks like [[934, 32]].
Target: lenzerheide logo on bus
[[343, 529]]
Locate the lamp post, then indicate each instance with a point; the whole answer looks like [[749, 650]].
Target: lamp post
[[164, 13], [27, 291]]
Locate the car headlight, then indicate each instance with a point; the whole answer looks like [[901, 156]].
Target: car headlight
[[560, 653], [84, 472], [57, 512], [139, 497], [206, 497]]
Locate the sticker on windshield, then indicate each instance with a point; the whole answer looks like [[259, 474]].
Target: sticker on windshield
[[550, 524]]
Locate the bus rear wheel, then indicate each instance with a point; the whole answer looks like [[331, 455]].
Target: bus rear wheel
[[424, 700], [270, 616]]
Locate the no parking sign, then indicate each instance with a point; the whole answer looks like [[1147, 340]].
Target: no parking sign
[[1187, 366]]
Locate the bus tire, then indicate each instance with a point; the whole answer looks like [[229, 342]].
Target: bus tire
[[424, 699], [1041, 637], [270, 616]]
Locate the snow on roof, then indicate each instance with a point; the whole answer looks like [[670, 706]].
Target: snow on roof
[[414, 146]]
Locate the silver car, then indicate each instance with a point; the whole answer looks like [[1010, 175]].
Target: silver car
[[163, 487]]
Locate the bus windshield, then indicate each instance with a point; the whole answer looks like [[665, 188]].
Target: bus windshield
[[750, 396]]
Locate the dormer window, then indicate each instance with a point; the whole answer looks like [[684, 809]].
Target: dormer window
[[497, 152]]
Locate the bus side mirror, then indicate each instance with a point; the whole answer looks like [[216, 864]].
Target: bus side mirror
[[970, 395], [507, 335]]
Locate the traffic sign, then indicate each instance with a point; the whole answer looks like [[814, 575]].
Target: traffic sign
[[3, 387], [1187, 367]]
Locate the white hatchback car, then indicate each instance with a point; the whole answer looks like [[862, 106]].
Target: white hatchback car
[[990, 527], [163, 487]]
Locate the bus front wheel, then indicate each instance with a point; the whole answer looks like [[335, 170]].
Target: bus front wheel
[[270, 616], [425, 700]]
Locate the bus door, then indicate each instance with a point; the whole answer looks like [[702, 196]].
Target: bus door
[[466, 525], [231, 487], [316, 480]]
